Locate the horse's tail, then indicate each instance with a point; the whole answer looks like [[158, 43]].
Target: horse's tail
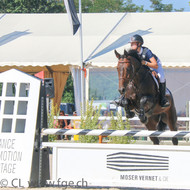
[[171, 95], [172, 109]]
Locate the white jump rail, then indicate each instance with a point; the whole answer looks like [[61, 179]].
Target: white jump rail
[[99, 132], [109, 118]]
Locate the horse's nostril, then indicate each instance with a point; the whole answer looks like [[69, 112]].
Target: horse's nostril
[[121, 90]]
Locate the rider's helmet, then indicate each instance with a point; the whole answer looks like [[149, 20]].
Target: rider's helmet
[[137, 38]]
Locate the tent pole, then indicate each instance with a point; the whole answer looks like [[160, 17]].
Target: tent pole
[[81, 59], [115, 26]]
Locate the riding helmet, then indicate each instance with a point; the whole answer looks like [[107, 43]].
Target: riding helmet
[[137, 38]]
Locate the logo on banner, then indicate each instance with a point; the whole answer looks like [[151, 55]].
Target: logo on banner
[[126, 161]]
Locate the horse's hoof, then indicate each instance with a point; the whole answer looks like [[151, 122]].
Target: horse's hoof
[[130, 114], [175, 141], [155, 140]]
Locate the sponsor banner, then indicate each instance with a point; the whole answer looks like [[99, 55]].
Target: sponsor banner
[[110, 165]]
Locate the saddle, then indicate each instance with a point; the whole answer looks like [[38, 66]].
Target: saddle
[[156, 78]]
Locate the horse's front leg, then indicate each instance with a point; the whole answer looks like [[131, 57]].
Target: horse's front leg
[[143, 104], [129, 113]]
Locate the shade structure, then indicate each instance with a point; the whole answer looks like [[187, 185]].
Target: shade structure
[[36, 42]]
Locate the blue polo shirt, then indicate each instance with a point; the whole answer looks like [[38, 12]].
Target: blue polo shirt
[[148, 54]]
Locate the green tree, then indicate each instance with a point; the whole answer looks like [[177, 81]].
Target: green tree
[[158, 6], [89, 120], [179, 10], [129, 6], [34, 6], [68, 93], [86, 5], [106, 6], [119, 124]]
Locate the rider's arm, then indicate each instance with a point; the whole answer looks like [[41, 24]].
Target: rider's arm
[[153, 63], [150, 60]]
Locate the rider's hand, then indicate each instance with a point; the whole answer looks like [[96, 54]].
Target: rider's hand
[[154, 74], [143, 62]]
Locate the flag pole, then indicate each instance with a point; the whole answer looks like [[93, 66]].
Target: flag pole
[[81, 58]]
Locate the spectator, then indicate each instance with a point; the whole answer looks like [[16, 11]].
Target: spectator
[[71, 125], [106, 123], [68, 120], [62, 124], [72, 121]]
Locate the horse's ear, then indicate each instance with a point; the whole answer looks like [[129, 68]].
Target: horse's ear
[[117, 54], [125, 53]]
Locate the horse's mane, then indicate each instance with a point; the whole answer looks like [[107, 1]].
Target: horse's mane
[[134, 54]]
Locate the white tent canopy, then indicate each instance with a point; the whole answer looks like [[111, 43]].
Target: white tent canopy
[[36, 42], [46, 39], [166, 34]]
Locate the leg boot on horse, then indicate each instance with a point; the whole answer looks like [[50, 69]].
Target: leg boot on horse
[[129, 114]]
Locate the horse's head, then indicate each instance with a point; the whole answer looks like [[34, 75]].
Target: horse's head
[[126, 68]]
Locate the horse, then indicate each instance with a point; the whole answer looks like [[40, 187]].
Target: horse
[[141, 95]]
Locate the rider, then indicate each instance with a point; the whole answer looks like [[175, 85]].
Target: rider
[[152, 61]]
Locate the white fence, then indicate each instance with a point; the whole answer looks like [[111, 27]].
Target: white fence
[[107, 118], [101, 118]]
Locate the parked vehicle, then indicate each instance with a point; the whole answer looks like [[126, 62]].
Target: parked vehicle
[[106, 107]]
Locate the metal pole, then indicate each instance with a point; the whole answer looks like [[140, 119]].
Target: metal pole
[[40, 134], [189, 117], [87, 85], [189, 113], [81, 58]]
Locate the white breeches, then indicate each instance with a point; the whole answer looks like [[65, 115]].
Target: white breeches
[[160, 72]]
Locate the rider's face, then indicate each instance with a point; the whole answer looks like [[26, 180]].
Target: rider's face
[[134, 45]]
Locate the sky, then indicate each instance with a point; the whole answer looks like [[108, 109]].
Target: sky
[[177, 4]]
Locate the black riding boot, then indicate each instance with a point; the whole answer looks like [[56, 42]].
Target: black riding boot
[[163, 100]]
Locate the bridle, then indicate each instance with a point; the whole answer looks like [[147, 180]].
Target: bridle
[[133, 71]]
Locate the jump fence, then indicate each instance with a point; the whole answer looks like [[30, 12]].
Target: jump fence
[[99, 132]]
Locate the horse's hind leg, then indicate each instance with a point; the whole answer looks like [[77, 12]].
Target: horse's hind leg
[[152, 125], [161, 126], [171, 121], [172, 126]]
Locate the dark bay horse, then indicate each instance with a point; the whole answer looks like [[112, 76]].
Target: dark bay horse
[[141, 95]]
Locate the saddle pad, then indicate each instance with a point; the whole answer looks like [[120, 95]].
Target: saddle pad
[[167, 91], [155, 80]]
